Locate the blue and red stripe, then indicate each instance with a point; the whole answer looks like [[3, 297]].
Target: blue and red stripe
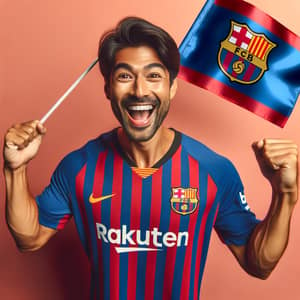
[[178, 277], [115, 218], [174, 226], [163, 226], [194, 182], [198, 267], [125, 220], [144, 226], [232, 95], [155, 215], [135, 223]]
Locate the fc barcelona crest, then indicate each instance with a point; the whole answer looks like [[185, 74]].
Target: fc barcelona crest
[[184, 201], [243, 55]]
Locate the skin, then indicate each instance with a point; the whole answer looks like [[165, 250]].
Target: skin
[[139, 74], [21, 208], [278, 161]]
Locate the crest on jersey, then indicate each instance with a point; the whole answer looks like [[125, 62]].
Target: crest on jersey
[[184, 201], [243, 55]]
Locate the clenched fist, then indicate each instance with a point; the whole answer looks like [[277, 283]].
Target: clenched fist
[[278, 161], [21, 143]]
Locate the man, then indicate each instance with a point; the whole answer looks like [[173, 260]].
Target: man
[[145, 197]]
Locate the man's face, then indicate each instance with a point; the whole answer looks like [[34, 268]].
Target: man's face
[[140, 91]]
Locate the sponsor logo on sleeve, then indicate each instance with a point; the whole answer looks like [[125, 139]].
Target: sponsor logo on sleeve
[[244, 201]]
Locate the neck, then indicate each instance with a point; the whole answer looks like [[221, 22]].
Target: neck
[[146, 154]]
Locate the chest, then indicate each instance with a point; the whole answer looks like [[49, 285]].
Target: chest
[[168, 198]]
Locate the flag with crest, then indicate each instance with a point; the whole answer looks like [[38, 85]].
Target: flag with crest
[[245, 56]]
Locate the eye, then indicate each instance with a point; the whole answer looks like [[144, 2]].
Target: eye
[[154, 76], [123, 76]]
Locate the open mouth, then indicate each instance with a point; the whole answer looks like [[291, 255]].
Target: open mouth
[[140, 114]]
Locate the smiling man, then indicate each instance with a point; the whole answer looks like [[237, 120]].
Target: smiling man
[[140, 90], [144, 197]]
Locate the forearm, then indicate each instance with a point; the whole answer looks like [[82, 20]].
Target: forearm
[[21, 209], [270, 238]]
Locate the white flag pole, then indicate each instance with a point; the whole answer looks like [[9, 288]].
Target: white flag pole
[[66, 94], [61, 99]]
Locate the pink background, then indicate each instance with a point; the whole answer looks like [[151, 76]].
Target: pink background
[[45, 45]]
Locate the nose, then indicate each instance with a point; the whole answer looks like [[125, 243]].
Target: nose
[[141, 87]]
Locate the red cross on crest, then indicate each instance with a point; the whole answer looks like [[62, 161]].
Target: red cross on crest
[[240, 34]]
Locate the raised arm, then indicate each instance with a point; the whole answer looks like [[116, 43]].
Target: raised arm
[[278, 161], [21, 144]]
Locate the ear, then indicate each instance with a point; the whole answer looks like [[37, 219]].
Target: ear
[[173, 89], [106, 90]]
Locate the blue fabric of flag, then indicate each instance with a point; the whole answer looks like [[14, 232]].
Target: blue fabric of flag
[[245, 56]]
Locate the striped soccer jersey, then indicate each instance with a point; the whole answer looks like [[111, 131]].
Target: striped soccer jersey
[[146, 231]]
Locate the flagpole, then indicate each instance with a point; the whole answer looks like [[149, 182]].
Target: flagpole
[[62, 98], [68, 92]]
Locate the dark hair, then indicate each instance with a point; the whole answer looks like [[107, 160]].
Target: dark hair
[[134, 32]]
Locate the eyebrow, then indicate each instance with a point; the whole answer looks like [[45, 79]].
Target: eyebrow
[[129, 68]]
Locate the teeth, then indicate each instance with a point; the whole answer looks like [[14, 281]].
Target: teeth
[[140, 107]]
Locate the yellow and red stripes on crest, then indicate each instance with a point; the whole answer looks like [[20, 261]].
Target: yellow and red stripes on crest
[[259, 47], [144, 172], [191, 193]]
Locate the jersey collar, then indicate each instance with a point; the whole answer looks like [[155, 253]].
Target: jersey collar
[[173, 148]]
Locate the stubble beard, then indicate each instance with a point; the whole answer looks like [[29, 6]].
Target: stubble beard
[[161, 111]]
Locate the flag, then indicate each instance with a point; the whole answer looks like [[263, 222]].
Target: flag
[[242, 54]]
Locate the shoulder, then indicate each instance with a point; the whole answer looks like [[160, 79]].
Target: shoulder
[[75, 160], [218, 166]]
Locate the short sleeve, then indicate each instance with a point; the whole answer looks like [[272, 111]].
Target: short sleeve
[[54, 202], [235, 221]]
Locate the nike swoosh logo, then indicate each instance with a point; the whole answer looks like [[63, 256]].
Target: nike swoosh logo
[[96, 200]]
